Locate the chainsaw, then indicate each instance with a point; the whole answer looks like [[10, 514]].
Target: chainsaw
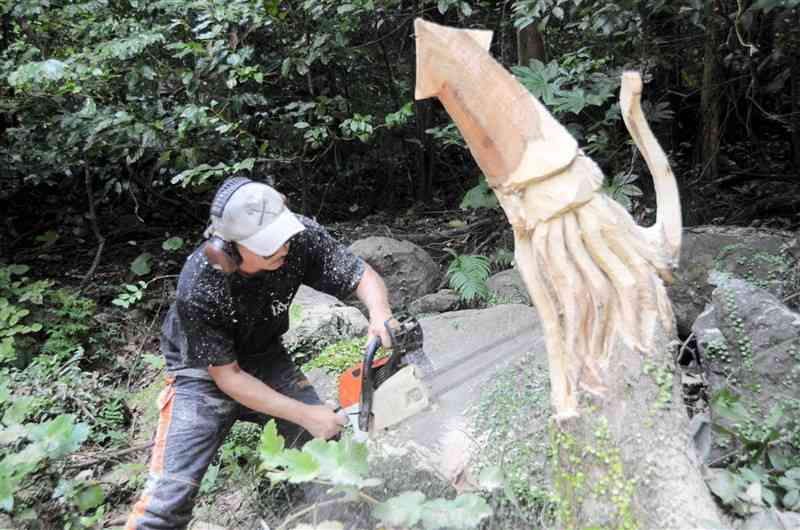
[[376, 394]]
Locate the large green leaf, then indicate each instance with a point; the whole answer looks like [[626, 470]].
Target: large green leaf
[[90, 497], [300, 466], [60, 436], [341, 462], [724, 485], [404, 510], [18, 411], [270, 448], [464, 512]]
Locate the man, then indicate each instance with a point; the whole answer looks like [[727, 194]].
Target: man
[[221, 340]]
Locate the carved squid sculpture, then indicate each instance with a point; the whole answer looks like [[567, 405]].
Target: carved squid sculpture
[[593, 274]]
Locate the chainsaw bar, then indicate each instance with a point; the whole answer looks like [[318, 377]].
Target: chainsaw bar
[[445, 379]]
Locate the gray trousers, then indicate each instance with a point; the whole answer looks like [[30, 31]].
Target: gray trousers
[[195, 417]]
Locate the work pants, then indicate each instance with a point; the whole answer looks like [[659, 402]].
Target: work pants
[[195, 417]]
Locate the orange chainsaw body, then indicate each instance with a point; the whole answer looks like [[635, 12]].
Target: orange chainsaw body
[[350, 383]]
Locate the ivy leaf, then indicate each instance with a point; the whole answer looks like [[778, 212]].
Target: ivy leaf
[[141, 265], [342, 462], [172, 244], [300, 467], [724, 485], [60, 436], [404, 510], [727, 405], [270, 448]]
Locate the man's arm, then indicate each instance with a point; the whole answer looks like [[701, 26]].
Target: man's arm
[[372, 292], [319, 420]]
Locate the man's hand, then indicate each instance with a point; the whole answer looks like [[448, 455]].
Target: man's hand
[[378, 329], [322, 422]]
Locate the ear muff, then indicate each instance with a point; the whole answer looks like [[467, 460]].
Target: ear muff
[[215, 248]]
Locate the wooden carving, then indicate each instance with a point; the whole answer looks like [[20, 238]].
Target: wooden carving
[[593, 274]]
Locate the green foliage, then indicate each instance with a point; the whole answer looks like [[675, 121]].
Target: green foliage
[[467, 274], [343, 464], [37, 318], [131, 293], [338, 357], [768, 5], [447, 135], [141, 266], [502, 258], [28, 447], [172, 244], [766, 468], [621, 189], [480, 196]]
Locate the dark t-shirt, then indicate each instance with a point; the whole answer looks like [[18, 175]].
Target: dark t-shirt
[[219, 318]]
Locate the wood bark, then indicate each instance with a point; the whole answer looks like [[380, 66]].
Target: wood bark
[[620, 446], [530, 45], [708, 146]]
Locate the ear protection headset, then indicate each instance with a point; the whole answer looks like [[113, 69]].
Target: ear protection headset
[[216, 248]]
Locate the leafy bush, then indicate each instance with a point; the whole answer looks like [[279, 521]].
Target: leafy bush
[[764, 467], [32, 456], [342, 465], [340, 356], [37, 318]]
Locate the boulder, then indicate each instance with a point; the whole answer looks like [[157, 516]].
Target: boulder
[[439, 302], [765, 258], [771, 520], [317, 320], [750, 341], [507, 287], [407, 269]]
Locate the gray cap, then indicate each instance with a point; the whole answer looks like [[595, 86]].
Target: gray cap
[[256, 216]]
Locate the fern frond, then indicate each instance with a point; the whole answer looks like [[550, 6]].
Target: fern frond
[[467, 275]]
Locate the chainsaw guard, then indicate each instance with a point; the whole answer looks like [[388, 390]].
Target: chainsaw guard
[[399, 397]]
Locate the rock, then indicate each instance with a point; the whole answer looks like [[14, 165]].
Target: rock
[[326, 385], [760, 256], [508, 288], [409, 271], [317, 320], [772, 520], [750, 340], [439, 302]]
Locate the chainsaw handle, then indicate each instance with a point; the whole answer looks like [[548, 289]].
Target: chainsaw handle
[[367, 383]]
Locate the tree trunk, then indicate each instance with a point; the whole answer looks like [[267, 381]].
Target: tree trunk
[[795, 95], [627, 461], [530, 45], [423, 183], [708, 147]]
